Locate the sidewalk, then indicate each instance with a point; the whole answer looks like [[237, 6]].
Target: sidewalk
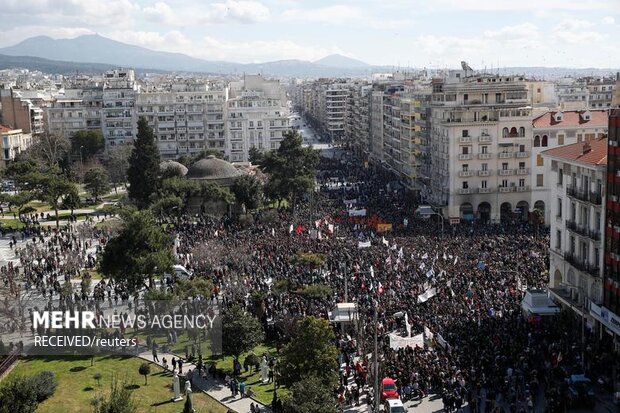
[[214, 388]]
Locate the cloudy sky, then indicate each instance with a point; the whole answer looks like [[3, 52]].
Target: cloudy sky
[[417, 33]]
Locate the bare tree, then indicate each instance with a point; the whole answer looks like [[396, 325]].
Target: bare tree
[[50, 149]]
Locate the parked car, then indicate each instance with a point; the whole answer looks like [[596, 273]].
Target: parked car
[[179, 272], [394, 406]]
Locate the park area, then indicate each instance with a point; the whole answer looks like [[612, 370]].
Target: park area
[[78, 385]]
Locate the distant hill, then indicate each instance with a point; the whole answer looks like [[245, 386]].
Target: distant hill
[[336, 60], [51, 66]]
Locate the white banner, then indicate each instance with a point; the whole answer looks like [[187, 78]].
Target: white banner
[[443, 343], [350, 201], [431, 292], [357, 212], [397, 341], [428, 334], [365, 244]]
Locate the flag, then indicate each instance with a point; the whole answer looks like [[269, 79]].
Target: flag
[[380, 289], [317, 223], [385, 242], [444, 256], [401, 254], [365, 244], [394, 247], [216, 233], [425, 256], [273, 232], [405, 222], [290, 229], [407, 325], [431, 292], [422, 266], [430, 273], [388, 260], [372, 272], [456, 259], [481, 265], [330, 228], [299, 229]]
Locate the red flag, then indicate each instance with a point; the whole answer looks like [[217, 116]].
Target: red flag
[[380, 290], [299, 229]]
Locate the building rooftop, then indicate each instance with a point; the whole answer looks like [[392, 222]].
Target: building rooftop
[[6, 129], [592, 153], [570, 118], [212, 168]]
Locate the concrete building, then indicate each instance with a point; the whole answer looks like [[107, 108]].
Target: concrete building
[[19, 112], [324, 103], [577, 174], [357, 126], [609, 314], [119, 121], [558, 128], [13, 141], [481, 146], [572, 94], [600, 91], [257, 115]]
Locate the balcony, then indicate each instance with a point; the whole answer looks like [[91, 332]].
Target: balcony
[[524, 188], [484, 138], [464, 174], [505, 189], [523, 154], [583, 230], [465, 139], [505, 172], [484, 190], [465, 191], [593, 198], [506, 155], [582, 265], [484, 173], [484, 156], [523, 171], [464, 156]]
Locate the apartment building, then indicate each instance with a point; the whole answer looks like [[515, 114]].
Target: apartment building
[[577, 173], [257, 115], [481, 146], [572, 93], [600, 91], [186, 118], [324, 103], [13, 141], [609, 313], [358, 118], [20, 112], [558, 128], [119, 121]]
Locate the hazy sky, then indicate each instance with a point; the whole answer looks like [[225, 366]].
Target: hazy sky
[[418, 33]]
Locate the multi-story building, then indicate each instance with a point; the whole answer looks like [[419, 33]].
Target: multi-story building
[[182, 118], [572, 93], [357, 118], [609, 314], [577, 184], [119, 122], [19, 112], [600, 91], [481, 146], [13, 141], [558, 128], [324, 103], [257, 115]]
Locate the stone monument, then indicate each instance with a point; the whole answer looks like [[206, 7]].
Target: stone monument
[[176, 388]]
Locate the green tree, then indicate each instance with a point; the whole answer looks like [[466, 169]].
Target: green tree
[[52, 188], [291, 168], [210, 191], [255, 156], [18, 394], [139, 252], [120, 400], [311, 352], [310, 395], [168, 206], [143, 170], [72, 200], [248, 191], [116, 162], [96, 182], [19, 171], [145, 370], [241, 331], [87, 143]]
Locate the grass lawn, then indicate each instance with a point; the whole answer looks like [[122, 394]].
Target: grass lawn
[[11, 223], [76, 385], [263, 392]]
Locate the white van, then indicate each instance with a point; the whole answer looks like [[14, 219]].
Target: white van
[[424, 212], [179, 271], [394, 406]]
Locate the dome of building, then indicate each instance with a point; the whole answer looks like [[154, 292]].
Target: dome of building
[[168, 165], [212, 168]]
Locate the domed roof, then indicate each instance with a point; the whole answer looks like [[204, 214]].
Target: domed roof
[[212, 168], [168, 165]]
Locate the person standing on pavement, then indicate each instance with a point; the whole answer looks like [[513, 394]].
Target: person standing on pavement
[[155, 358]]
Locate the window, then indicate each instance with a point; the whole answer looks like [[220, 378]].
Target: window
[[504, 132], [465, 185], [572, 244], [560, 139], [251, 124], [536, 141], [483, 184], [539, 160], [521, 183], [559, 207], [465, 133], [558, 240], [539, 180], [504, 166], [597, 221], [485, 167], [521, 165], [465, 150], [560, 176], [545, 141], [484, 149], [573, 211], [465, 167]]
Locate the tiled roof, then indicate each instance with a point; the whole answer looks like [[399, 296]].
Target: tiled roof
[[4, 129], [598, 118], [597, 155]]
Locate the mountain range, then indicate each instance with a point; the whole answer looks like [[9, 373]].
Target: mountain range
[[94, 54], [96, 49]]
